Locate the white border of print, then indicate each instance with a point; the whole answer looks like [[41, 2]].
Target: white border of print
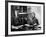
[[23, 32]]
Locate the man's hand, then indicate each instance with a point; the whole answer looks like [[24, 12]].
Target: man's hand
[[27, 25], [35, 24]]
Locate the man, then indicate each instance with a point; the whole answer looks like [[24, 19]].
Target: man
[[32, 21]]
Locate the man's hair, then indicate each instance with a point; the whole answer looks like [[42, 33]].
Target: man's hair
[[33, 13]]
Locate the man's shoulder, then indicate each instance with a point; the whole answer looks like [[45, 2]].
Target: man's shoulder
[[35, 19]]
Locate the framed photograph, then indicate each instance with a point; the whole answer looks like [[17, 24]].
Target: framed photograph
[[24, 18]]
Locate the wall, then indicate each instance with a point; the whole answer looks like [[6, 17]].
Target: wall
[[2, 19]]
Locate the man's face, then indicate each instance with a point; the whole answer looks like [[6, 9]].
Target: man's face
[[25, 18], [33, 15]]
